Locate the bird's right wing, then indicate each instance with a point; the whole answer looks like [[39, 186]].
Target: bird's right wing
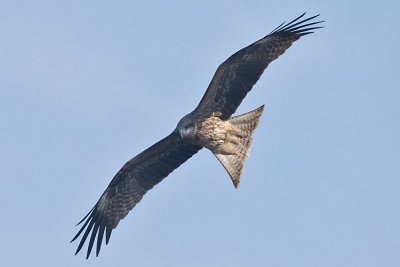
[[129, 185]]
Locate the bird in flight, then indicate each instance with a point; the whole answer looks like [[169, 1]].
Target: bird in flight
[[209, 125]]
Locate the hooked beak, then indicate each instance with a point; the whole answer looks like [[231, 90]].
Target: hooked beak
[[181, 133]]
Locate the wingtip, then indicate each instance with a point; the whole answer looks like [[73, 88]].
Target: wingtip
[[298, 25], [108, 235], [84, 218]]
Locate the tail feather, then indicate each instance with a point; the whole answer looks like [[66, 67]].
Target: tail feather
[[246, 123]]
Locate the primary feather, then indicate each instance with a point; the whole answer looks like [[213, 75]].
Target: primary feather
[[233, 79]]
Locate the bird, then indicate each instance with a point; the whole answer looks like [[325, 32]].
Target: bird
[[210, 125]]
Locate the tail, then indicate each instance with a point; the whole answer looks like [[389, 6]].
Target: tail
[[246, 123]]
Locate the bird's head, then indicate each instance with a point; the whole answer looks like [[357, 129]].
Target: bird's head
[[186, 127]]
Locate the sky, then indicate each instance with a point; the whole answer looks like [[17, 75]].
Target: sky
[[87, 85]]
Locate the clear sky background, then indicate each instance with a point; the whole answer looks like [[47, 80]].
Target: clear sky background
[[86, 85]]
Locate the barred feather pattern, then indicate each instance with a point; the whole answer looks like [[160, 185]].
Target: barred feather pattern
[[233, 79], [246, 123]]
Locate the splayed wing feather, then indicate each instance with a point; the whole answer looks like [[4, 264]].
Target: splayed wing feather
[[100, 237], [236, 76], [129, 185], [233, 79]]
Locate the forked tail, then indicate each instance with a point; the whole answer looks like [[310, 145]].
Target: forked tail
[[246, 123]]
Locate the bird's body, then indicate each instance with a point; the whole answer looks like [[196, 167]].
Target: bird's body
[[210, 125], [229, 140], [218, 136], [215, 134]]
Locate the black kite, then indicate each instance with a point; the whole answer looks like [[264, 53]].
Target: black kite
[[210, 125]]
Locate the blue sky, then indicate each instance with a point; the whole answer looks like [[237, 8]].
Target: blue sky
[[85, 85]]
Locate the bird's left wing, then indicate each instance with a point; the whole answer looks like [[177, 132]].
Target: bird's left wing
[[236, 76], [129, 185]]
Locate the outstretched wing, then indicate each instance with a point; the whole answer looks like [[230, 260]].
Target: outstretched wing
[[236, 76], [129, 185]]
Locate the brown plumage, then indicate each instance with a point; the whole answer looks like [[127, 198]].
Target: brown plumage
[[210, 125], [244, 126]]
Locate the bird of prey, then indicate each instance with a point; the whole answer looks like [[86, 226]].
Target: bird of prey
[[209, 125]]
